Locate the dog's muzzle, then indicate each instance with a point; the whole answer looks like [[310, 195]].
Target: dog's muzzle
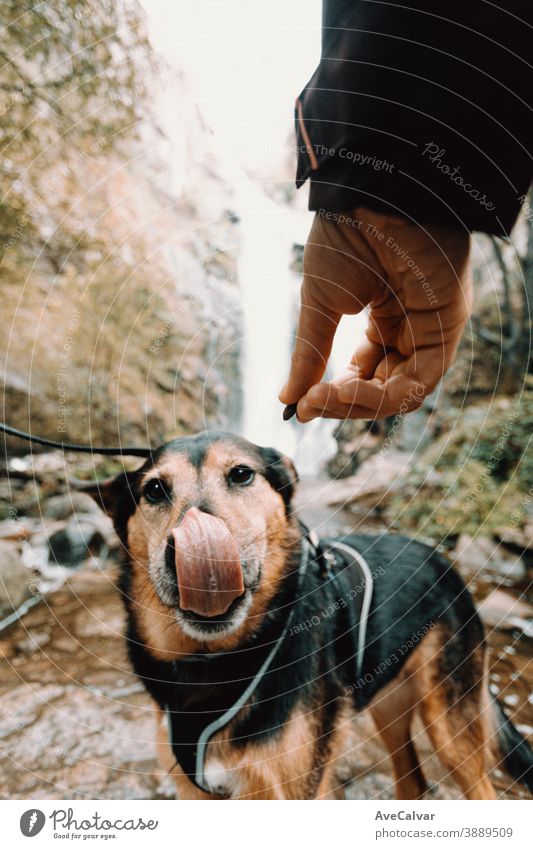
[[208, 564]]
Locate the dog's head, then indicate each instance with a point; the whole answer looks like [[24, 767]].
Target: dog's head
[[207, 526]]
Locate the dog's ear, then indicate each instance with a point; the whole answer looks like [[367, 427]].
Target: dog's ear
[[280, 472], [111, 493]]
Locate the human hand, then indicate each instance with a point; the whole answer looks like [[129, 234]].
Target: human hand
[[416, 284]]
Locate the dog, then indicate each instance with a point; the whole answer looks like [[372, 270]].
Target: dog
[[253, 639]]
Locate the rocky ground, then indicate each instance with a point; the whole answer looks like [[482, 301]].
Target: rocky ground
[[75, 722]]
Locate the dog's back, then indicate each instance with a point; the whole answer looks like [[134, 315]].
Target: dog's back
[[415, 590]]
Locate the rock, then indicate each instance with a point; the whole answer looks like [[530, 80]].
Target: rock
[[15, 531], [104, 526], [416, 430], [33, 641], [473, 554], [75, 542], [501, 610], [357, 441], [479, 555], [24, 529], [63, 506], [520, 537], [7, 650], [14, 579], [380, 476]]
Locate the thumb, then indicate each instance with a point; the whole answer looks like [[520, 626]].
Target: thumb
[[316, 329]]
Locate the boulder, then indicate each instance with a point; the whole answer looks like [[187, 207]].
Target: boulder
[[479, 555], [14, 579], [64, 505], [501, 610], [74, 543], [381, 475]]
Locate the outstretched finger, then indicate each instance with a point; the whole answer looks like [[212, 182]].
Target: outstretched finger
[[322, 401], [314, 340]]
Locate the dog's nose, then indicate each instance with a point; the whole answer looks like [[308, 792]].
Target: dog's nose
[[208, 564]]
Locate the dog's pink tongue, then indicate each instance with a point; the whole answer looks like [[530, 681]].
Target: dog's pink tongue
[[208, 566]]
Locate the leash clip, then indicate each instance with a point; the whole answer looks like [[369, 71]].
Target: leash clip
[[325, 559], [327, 562]]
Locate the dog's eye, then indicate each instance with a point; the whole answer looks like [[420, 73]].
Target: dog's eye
[[156, 491], [241, 475]]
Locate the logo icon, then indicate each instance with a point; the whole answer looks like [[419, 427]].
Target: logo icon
[[32, 822]]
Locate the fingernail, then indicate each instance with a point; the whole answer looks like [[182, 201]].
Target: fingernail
[[289, 412]]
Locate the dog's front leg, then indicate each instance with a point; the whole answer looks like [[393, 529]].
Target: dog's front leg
[[185, 788], [243, 779]]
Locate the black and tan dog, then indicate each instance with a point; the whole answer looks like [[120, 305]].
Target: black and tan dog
[[242, 630]]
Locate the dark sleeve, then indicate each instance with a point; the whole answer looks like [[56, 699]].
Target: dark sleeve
[[421, 109]]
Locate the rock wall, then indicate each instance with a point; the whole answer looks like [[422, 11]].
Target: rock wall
[[122, 319]]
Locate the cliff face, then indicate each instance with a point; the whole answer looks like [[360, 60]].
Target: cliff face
[[121, 315]]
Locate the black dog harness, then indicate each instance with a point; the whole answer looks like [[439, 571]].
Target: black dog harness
[[337, 562]]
